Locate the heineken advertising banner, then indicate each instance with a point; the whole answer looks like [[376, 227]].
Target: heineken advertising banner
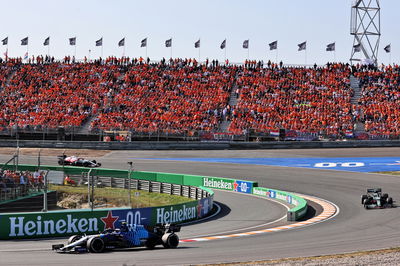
[[228, 184], [63, 223], [300, 204]]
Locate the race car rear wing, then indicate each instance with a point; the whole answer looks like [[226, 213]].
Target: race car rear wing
[[374, 190]]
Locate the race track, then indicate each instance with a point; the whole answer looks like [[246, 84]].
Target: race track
[[352, 229]]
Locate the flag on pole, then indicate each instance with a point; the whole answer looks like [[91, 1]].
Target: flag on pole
[[72, 41], [197, 44], [246, 44], [99, 42], [46, 41], [5, 41], [357, 47], [387, 48], [223, 44], [121, 42], [330, 47], [24, 41], [168, 43], [302, 46], [26, 56], [143, 43], [273, 45]]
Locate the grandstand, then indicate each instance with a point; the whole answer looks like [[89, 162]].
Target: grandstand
[[185, 98]]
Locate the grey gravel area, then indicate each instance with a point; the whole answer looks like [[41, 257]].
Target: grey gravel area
[[374, 258]]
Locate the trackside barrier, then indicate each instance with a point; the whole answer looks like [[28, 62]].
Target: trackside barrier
[[69, 222], [293, 214]]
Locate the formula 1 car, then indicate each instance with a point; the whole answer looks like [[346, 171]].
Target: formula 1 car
[[77, 161], [127, 236], [374, 199]]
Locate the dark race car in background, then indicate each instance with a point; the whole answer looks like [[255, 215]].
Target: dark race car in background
[[128, 236], [375, 199], [77, 161]]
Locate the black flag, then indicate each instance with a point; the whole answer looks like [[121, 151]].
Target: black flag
[[72, 41], [24, 41], [197, 44], [5, 41], [143, 43], [99, 42], [168, 43], [121, 42], [330, 47], [223, 44], [273, 45], [387, 48], [302, 46], [246, 44], [47, 41], [357, 47]]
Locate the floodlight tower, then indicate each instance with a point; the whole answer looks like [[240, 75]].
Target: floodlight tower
[[365, 25]]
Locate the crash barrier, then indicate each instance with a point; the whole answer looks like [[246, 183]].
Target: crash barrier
[[198, 145], [69, 222]]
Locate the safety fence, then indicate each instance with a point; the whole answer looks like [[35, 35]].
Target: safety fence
[[86, 221]]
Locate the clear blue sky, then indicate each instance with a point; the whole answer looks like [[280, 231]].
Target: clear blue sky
[[318, 22]]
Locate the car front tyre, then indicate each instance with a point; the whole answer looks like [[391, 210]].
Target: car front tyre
[[96, 245]]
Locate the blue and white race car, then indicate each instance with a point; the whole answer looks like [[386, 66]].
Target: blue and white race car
[[127, 236]]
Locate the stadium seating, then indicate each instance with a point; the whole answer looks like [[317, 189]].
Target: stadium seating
[[380, 100], [181, 96]]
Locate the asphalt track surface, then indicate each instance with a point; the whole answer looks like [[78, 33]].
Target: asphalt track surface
[[353, 229]]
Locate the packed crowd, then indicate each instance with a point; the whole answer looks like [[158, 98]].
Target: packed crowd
[[303, 99], [181, 96], [52, 95], [380, 100], [13, 183]]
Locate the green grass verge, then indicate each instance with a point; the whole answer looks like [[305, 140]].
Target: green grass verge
[[118, 197], [390, 172]]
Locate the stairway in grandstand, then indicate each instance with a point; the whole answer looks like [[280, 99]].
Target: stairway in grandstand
[[85, 128], [355, 85], [224, 125], [8, 79]]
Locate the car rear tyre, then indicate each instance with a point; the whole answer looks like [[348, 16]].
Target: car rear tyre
[[390, 202], [150, 243], [95, 245], [170, 240]]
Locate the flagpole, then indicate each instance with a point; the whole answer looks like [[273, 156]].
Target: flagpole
[[225, 49], [248, 50], [305, 55], [199, 49], [146, 50], [75, 50], [276, 56], [334, 55], [7, 50]]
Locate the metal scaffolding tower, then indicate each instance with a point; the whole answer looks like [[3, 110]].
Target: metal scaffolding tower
[[365, 25]]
